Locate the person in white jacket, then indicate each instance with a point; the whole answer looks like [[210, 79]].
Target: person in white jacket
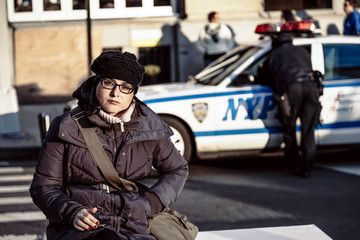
[[215, 38]]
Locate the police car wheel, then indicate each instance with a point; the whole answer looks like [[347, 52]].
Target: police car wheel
[[181, 137]]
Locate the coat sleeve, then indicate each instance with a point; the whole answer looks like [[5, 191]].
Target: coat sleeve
[[174, 171], [46, 188], [356, 24]]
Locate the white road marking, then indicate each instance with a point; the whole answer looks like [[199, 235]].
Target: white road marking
[[344, 167], [15, 200], [16, 178], [11, 170], [23, 237], [22, 216], [15, 188]]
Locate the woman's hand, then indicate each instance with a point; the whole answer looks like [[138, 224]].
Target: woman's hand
[[84, 220]]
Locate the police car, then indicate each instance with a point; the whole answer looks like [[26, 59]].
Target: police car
[[222, 112]]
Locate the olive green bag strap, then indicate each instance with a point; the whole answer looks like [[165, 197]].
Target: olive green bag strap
[[98, 154]]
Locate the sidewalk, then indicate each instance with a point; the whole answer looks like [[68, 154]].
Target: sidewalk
[[29, 143], [300, 232]]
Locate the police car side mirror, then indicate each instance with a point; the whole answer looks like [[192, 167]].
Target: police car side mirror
[[242, 79]]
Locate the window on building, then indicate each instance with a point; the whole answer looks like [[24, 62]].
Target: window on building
[[297, 4], [62, 10], [161, 2], [342, 61], [112, 49], [52, 5], [106, 3], [23, 5], [78, 4], [133, 3]]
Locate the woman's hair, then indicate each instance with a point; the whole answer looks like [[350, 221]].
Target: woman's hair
[[86, 95], [87, 100]]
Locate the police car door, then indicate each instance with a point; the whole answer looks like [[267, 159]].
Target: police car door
[[341, 100], [247, 112]]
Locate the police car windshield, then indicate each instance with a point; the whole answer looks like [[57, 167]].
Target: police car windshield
[[223, 66]]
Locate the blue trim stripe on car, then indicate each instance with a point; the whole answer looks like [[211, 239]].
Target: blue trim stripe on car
[[329, 84], [251, 91], [207, 95], [274, 129], [338, 125], [238, 131]]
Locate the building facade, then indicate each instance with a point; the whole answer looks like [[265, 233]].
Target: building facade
[[50, 39]]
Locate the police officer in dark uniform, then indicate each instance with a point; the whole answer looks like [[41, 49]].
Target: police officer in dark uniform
[[288, 71]]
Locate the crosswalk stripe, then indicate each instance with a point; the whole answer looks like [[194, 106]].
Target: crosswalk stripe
[[11, 170], [15, 200], [344, 167], [16, 178], [22, 237], [15, 188], [22, 216]]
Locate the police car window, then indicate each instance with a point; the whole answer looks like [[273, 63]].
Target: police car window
[[223, 66], [342, 61], [253, 68]]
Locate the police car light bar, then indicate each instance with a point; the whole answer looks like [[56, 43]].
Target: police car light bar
[[267, 28], [303, 26], [306, 25]]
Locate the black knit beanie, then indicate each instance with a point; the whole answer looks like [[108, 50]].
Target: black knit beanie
[[122, 66]]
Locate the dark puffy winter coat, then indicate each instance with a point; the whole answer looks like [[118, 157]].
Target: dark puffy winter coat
[[67, 180]]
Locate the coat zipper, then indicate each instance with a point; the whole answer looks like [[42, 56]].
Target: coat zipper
[[112, 204]]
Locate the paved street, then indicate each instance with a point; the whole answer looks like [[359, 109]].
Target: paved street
[[223, 194], [259, 193]]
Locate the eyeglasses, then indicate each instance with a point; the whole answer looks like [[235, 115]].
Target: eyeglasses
[[111, 84]]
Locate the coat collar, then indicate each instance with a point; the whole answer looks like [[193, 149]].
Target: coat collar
[[145, 125]]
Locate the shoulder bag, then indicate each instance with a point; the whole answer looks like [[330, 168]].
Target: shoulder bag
[[165, 225]]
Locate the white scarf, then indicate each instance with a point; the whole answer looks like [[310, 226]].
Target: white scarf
[[124, 116]]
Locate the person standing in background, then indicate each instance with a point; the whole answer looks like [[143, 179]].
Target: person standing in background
[[215, 38], [352, 20]]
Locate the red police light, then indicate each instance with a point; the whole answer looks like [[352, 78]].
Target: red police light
[[306, 25], [289, 26], [292, 26], [267, 28]]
